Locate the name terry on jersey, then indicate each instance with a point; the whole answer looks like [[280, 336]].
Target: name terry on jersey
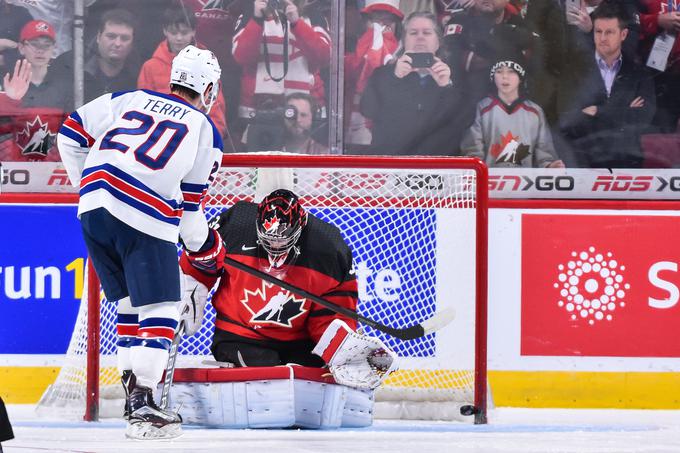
[[165, 108]]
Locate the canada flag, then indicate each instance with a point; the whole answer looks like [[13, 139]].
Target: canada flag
[[600, 285]]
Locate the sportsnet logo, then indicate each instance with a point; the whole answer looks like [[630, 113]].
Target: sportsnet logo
[[600, 285], [592, 286]]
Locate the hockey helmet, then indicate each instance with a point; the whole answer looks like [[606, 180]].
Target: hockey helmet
[[280, 220], [195, 69]]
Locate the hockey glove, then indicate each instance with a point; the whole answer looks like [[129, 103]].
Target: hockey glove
[[210, 258], [192, 307], [355, 360]]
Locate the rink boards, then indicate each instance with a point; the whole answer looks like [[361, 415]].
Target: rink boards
[[544, 348]]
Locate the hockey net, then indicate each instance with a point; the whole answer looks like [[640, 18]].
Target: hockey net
[[417, 228]]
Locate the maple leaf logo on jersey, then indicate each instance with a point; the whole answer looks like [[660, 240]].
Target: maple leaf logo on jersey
[[35, 138], [273, 305], [509, 150], [271, 225]]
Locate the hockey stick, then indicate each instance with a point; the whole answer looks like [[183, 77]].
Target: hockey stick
[[170, 367], [430, 325]]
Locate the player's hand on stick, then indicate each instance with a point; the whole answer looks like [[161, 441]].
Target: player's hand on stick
[[192, 307], [210, 259], [355, 360]]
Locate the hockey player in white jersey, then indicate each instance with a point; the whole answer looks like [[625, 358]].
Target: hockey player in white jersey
[[143, 162]]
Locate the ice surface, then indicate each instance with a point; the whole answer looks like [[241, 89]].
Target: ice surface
[[509, 430]]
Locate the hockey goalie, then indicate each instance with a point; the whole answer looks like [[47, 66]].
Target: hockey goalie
[[260, 325]]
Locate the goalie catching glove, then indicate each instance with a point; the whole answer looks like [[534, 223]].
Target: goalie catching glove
[[209, 259], [355, 360], [192, 307]]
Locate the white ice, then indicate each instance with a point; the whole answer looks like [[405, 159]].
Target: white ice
[[509, 430]]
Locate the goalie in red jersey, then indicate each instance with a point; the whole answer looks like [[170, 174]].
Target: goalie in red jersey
[[261, 324]]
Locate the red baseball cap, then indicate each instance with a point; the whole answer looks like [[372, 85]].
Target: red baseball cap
[[36, 29], [391, 6]]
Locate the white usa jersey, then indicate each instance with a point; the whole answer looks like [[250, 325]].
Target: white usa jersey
[[145, 157]]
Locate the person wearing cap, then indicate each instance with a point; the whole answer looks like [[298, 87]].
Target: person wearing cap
[[475, 38], [37, 45], [35, 98], [375, 48], [510, 130]]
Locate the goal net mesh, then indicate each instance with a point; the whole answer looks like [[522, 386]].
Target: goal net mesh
[[412, 235]]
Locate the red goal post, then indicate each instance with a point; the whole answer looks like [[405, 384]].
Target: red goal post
[[418, 230]]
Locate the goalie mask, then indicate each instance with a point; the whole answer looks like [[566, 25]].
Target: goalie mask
[[196, 69], [280, 220]]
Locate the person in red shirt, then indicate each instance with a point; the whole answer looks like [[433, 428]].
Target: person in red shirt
[[375, 48], [179, 29], [280, 52]]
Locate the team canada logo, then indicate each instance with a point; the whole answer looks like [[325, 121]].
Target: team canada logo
[[271, 225], [42, 27], [273, 305], [35, 139], [591, 286], [509, 150]]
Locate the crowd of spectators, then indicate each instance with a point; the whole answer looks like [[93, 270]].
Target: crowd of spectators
[[525, 83]]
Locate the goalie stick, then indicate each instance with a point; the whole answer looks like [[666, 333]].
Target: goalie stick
[[428, 326], [170, 367]]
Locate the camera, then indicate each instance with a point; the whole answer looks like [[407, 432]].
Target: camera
[[267, 129], [276, 5], [421, 59]]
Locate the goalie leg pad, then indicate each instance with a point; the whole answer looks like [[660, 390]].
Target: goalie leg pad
[[271, 401], [250, 404]]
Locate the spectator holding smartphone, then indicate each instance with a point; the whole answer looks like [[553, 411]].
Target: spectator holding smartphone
[[413, 105], [510, 130]]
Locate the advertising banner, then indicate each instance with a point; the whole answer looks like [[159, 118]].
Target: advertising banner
[[41, 278], [600, 285]]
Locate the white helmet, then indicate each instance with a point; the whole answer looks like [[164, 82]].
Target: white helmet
[[195, 69]]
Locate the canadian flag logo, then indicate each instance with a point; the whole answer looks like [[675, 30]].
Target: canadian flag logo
[[600, 285], [591, 286]]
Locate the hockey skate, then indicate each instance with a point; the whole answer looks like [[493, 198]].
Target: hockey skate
[[129, 380], [147, 420]]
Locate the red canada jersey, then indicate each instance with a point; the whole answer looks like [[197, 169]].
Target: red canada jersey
[[28, 134], [250, 307]]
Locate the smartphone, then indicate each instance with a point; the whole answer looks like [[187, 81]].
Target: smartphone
[[421, 59], [571, 5]]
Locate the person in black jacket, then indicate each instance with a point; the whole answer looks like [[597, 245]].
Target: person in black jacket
[[413, 109], [613, 100], [5, 427]]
